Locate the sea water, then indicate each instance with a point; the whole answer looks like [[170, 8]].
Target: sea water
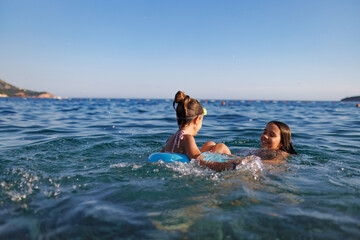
[[76, 169]]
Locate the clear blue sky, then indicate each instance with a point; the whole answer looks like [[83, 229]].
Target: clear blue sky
[[255, 49]]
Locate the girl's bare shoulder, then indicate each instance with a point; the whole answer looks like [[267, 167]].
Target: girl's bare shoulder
[[271, 155]]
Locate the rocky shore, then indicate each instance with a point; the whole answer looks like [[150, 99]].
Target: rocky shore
[[8, 90]]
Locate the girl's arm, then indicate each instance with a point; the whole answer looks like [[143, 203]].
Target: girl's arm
[[221, 166], [190, 147]]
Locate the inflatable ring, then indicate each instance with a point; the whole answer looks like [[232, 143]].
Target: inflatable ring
[[168, 157], [178, 157]]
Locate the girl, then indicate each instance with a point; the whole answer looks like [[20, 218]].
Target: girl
[[276, 137], [189, 115], [276, 146]]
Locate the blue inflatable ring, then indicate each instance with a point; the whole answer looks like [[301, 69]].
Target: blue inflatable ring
[[178, 157], [168, 157]]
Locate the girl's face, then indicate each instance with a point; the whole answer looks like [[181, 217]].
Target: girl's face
[[271, 138]]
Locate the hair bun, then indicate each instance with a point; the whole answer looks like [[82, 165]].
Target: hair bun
[[179, 96]]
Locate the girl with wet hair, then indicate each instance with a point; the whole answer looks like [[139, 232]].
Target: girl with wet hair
[[189, 115], [275, 142], [277, 136]]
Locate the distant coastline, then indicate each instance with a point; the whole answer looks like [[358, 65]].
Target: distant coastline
[[8, 90], [351, 99]]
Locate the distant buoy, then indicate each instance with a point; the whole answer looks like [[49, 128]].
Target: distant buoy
[[358, 105], [223, 103]]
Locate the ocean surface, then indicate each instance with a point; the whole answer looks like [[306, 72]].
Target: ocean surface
[[76, 169]]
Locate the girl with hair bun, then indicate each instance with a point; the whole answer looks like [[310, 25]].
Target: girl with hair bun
[[189, 115]]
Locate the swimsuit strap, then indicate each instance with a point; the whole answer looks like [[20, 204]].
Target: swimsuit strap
[[178, 137]]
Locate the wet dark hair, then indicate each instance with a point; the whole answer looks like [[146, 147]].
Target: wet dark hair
[[285, 140], [186, 108]]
